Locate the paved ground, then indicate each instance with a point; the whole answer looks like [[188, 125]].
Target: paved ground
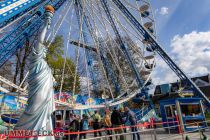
[[161, 134]]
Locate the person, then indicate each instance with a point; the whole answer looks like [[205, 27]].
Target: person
[[96, 123], [53, 120], [131, 117], [107, 122], [84, 126], [68, 120], [71, 117], [116, 120], [74, 127], [123, 117]]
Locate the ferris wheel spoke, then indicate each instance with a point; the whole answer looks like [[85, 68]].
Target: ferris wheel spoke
[[59, 22], [96, 30], [134, 48], [80, 18], [110, 50], [66, 53], [123, 26], [95, 40], [106, 42], [99, 10], [86, 55]]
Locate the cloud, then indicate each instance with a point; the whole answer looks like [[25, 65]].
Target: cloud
[[191, 52], [163, 10]]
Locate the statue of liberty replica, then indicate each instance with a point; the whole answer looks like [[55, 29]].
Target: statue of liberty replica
[[37, 115]]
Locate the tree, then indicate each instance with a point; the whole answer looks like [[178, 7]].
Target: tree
[[55, 60], [6, 72], [22, 60]]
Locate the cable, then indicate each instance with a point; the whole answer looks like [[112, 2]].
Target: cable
[[66, 51]]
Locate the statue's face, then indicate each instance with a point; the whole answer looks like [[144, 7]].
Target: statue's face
[[49, 15]]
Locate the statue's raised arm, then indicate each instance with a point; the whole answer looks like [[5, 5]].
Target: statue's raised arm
[[49, 14], [37, 115]]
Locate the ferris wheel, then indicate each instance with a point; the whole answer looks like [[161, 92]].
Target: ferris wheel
[[117, 61]]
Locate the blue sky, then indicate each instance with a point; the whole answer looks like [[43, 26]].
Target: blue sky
[[183, 30], [184, 16]]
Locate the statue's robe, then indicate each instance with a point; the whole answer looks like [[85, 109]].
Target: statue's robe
[[37, 115]]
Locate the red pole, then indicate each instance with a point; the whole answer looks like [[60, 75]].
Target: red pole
[[179, 127], [152, 122]]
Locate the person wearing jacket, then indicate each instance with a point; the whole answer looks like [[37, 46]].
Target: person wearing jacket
[[107, 123], [116, 120], [123, 117], [131, 117], [74, 127], [84, 126], [97, 123]]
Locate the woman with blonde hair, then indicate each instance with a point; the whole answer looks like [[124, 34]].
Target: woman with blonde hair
[[107, 123]]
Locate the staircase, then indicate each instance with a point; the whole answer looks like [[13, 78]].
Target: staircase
[[144, 114]]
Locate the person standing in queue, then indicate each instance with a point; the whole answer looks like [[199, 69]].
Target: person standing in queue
[[116, 120], [131, 117], [97, 123], [74, 127], [107, 123], [84, 126], [123, 118], [53, 120]]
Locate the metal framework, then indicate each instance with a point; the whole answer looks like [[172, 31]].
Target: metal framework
[[88, 52], [140, 81], [25, 29], [122, 45], [11, 10], [155, 46], [105, 61]]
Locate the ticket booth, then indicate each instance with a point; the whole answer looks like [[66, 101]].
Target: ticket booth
[[188, 111]]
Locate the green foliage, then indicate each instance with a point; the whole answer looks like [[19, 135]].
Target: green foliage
[[55, 60], [56, 48], [207, 115]]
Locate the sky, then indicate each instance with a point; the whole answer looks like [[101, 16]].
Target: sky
[[183, 30]]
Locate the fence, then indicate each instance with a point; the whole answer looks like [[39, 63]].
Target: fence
[[147, 134], [150, 134]]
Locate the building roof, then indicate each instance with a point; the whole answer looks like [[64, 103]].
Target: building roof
[[203, 82], [205, 78]]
